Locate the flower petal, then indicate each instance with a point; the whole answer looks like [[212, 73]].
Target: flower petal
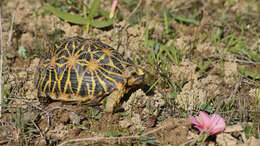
[[211, 124], [218, 124], [113, 8], [194, 120], [199, 127], [205, 120]]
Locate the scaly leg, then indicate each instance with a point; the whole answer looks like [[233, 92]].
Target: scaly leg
[[113, 99]]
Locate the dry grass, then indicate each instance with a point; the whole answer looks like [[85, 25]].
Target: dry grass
[[1, 61]]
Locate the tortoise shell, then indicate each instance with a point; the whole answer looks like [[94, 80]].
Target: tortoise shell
[[79, 69]]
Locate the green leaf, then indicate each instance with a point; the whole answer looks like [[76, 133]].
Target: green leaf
[[67, 16], [174, 94], [79, 20], [207, 108], [101, 24]]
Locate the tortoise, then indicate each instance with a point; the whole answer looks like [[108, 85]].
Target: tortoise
[[86, 70]]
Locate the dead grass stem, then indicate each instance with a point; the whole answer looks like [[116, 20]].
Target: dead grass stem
[[1, 61]]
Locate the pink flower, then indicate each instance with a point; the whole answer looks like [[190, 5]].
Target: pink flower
[[211, 124], [113, 8]]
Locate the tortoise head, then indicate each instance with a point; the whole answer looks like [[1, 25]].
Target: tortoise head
[[134, 75]]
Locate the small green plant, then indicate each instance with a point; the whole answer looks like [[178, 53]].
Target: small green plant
[[203, 67], [243, 70], [236, 45], [251, 131], [148, 140], [231, 104], [174, 94], [112, 134], [217, 36], [20, 125], [22, 52], [94, 114], [206, 107]]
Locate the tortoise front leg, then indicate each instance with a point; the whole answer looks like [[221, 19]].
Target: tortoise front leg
[[113, 99]]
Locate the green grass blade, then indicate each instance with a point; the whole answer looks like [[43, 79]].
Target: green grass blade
[[253, 75], [146, 33], [152, 86], [186, 20], [104, 14], [166, 22], [251, 54], [68, 17], [93, 8]]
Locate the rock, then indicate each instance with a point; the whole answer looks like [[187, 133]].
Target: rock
[[32, 91], [226, 139], [211, 143], [28, 116], [22, 75], [125, 123], [234, 128], [58, 132], [134, 122], [137, 122], [26, 40], [74, 118], [230, 71], [35, 63], [252, 141], [230, 68], [65, 117], [206, 47]]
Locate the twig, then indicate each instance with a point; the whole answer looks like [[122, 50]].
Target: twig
[[1, 61], [232, 60], [138, 5], [130, 15], [190, 142], [157, 129], [99, 139], [235, 90], [41, 133], [3, 142], [11, 30]]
